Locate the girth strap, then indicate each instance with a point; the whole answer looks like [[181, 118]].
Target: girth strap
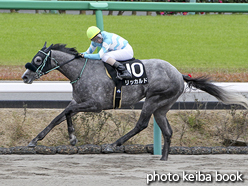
[[117, 96]]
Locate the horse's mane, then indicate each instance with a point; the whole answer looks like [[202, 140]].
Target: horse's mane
[[63, 48]]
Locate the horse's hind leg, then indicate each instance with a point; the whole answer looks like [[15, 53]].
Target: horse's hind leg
[[163, 123], [140, 125]]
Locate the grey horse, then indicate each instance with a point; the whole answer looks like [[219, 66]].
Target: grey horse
[[93, 91]]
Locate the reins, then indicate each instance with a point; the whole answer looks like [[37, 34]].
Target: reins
[[40, 68]]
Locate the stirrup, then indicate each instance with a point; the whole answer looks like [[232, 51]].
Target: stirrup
[[118, 76], [128, 76]]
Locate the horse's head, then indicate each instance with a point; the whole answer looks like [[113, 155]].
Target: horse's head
[[40, 65]]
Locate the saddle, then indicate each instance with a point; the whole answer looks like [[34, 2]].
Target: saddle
[[136, 68]]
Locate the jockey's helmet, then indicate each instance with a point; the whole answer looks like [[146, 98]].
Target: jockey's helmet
[[92, 32]]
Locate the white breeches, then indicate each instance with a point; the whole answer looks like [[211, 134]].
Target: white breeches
[[122, 55]]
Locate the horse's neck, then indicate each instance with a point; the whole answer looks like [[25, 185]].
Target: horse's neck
[[72, 69]]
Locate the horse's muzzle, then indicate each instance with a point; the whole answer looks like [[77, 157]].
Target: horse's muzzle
[[29, 76]]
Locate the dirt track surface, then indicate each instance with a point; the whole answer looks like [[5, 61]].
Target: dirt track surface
[[115, 169]]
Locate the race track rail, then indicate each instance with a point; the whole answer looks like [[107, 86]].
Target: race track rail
[[57, 95]]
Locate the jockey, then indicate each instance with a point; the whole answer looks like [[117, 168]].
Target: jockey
[[113, 48]]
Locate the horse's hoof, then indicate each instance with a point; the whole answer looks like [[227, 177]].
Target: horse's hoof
[[74, 141], [164, 159], [32, 144], [108, 149]]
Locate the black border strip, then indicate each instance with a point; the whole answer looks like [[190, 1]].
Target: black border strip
[[62, 104]]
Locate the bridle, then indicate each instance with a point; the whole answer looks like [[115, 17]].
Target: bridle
[[40, 73]]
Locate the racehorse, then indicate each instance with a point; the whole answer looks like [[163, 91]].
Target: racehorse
[[93, 91]]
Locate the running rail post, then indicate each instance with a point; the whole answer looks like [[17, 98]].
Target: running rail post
[[99, 17], [99, 22], [192, 1], [156, 139], [98, 7], [54, 11]]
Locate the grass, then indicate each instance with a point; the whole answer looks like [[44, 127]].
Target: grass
[[199, 43], [24, 34]]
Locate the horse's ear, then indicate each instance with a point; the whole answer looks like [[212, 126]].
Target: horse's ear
[[49, 48], [44, 45]]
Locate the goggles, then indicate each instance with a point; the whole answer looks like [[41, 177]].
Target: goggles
[[96, 38]]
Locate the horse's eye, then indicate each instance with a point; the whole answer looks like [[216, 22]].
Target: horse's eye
[[38, 60]]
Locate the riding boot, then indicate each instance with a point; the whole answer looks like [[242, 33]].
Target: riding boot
[[122, 73]]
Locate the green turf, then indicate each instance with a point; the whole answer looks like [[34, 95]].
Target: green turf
[[197, 41]]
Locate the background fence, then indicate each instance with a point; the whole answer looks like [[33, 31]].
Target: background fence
[[124, 6], [197, 1]]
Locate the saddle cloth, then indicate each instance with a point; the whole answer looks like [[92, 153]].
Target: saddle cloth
[[136, 68]]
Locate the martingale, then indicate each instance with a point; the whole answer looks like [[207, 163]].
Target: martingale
[[136, 68]]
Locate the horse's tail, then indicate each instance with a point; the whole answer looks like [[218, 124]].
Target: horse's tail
[[203, 83]]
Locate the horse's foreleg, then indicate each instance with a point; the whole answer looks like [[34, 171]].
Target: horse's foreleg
[[56, 121], [41, 135], [72, 109], [71, 130], [89, 106]]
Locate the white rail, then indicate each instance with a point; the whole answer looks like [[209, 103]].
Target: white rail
[[50, 90], [36, 87], [65, 87]]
